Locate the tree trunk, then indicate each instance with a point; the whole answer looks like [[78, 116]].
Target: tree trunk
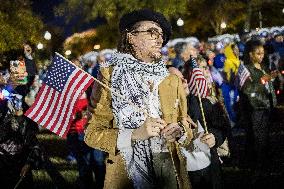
[[248, 17]]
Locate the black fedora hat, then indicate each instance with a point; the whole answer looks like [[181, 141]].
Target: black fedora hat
[[130, 19]]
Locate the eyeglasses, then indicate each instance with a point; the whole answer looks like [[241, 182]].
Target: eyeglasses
[[154, 33]]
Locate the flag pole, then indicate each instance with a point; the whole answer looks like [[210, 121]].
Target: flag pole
[[108, 88], [19, 182], [201, 108]]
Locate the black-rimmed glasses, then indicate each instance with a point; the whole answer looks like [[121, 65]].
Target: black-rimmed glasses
[[155, 34]]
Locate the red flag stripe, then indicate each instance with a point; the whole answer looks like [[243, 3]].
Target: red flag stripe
[[30, 112], [197, 80], [62, 100], [37, 109], [75, 95], [46, 106], [82, 87], [40, 111], [50, 113]]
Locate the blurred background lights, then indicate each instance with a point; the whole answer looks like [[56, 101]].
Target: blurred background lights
[[180, 22], [68, 52], [47, 35], [223, 25], [39, 46], [97, 47]]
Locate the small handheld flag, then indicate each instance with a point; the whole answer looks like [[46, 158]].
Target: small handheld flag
[[54, 105]]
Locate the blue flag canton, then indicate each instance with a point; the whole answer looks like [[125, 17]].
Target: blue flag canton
[[193, 62], [241, 69], [58, 73]]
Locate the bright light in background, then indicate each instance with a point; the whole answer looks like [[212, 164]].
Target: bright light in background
[[180, 22], [97, 47], [39, 46], [68, 52], [47, 35], [263, 81], [278, 92], [5, 93], [283, 10], [223, 25]]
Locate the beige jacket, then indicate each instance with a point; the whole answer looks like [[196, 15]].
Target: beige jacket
[[102, 132]]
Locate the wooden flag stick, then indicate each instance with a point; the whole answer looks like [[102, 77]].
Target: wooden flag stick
[[201, 108]]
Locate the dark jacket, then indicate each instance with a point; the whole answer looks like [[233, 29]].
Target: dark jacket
[[18, 142], [31, 67], [217, 124], [254, 94]]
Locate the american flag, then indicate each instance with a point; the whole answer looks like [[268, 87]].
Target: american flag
[[54, 105], [242, 75], [197, 81]]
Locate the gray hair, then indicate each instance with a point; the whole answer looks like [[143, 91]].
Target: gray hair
[[180, 47]]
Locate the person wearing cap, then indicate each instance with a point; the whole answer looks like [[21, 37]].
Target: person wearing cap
[[278, 45], [143, 130]]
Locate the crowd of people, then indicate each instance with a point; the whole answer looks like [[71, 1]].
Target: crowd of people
[[174, 127]]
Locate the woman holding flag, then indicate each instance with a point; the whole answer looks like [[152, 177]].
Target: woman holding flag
[[203, 163]]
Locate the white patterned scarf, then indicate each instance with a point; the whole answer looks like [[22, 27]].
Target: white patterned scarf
[[128, 79]]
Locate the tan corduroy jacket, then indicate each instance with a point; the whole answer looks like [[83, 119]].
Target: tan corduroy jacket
[[102, 132]]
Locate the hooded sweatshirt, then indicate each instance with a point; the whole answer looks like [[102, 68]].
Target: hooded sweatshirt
[[232, 62]]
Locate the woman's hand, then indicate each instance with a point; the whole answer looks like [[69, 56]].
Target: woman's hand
[[208, 139], [265, 78], [150, 128]]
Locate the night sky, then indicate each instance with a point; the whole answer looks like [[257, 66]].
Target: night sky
[[44, 9]]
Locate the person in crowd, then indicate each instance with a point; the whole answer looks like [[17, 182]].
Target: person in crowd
[[217, 69], [19, 148], [31, 69], [29, 62], [178, 61], [278, 44], [210, 55], [244, 37], [184, 50], [203, 163], [140, 133], [229, 91], [257, 99]]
